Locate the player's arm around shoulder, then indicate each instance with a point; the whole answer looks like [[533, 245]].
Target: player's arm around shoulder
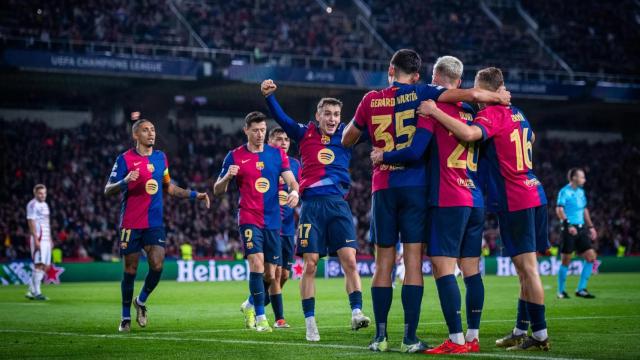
[[459, 129], [476, 95]]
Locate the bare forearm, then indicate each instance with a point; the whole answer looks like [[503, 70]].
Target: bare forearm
[[350, 135], [220, 187], [32, 228], [485, 96], [560, 213], [461, 130], [114, 188], [292, 184], [178, 192]]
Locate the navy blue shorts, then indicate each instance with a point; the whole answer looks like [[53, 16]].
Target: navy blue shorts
[[257, 240], [288, 247], [455, 231], [326, 226], [524, 231], [134, 240], [399, 214]]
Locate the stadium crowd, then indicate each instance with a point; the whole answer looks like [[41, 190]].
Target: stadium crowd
[[597, 29], [299, 27], [74, 164], [116, 21], [454, 27], [587, 42]]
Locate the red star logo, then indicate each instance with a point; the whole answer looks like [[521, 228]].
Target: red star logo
[[297, 269], [596, 266], [53, 274]]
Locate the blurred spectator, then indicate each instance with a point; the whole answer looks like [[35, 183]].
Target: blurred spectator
[[591, 35]]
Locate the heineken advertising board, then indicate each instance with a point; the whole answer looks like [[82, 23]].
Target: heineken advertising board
[[19, 272]]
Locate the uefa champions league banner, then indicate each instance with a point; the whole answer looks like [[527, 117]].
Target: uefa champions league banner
[[117, 65]]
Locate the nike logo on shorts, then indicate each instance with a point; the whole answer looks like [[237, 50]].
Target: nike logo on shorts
[[349, 241]]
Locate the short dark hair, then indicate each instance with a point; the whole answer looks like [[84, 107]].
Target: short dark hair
[[406, 60], [490, 78], [254, 117], [138, 123], [38, 187], [328, 101], [276, 131], [572, 172]]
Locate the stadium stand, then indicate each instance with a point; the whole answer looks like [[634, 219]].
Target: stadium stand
[[596, 33]]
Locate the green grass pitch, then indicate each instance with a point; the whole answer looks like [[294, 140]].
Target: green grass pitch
[[202, 320]]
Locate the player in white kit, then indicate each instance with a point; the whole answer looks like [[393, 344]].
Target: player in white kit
[[41, 241]]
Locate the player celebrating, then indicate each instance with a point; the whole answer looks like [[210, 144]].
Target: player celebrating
[[326, 223], [399, 205], [40, 240], [456, 216], [279, 139], [577, 232], [141, 175], [257, 168], [517, 196]]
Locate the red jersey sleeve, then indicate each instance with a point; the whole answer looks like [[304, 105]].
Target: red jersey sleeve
[[285, 161]]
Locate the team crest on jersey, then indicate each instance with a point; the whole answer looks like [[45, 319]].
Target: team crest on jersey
[[151, 187], [304, 242], [249, 245], [150, 167], [325, 139], [123, 245], [326, 156], [260, 165], [262, 185], [282, 197]]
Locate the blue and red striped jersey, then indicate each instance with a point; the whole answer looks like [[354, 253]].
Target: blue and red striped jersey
[[389, 117], [257, 181], [325, 162], [141, 199]]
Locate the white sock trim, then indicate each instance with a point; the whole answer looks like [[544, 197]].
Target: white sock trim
[[517, 331], [472, 334], [457, 338], [540, 335]]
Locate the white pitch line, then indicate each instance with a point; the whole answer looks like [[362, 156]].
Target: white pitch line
[[207, 331], [253, 342]]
